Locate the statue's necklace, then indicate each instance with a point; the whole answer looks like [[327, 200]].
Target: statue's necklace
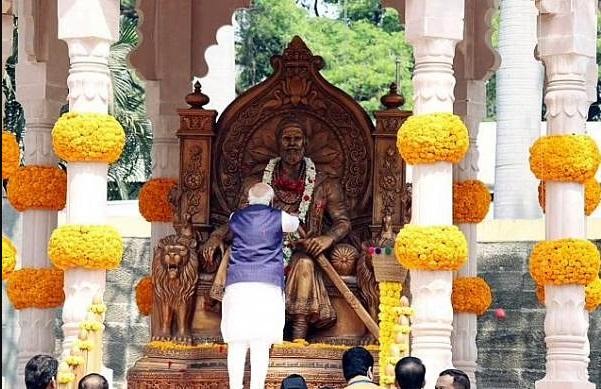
[[286, 196]]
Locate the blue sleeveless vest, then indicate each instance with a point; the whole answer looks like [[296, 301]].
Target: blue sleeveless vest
[[256, 254]]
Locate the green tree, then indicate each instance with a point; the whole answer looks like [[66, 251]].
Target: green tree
[[360, 47]]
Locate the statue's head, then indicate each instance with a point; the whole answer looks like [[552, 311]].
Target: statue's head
[[292, 139], [174, 253]]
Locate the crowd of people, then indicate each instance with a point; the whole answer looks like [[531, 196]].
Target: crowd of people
[[357, 368]]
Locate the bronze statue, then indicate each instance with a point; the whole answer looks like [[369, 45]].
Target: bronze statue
[[174, 277], [301, 190]]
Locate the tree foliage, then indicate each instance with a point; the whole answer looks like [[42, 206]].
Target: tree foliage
[[360, 46]]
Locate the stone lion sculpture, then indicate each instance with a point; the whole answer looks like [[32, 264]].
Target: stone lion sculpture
[[174, 277]]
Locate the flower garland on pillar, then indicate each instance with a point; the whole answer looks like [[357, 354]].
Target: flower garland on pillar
[[11, 154], [9, 257], [153, 201], [592, 195], [144, 296]]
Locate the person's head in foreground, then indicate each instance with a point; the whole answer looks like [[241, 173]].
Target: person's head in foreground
[[93, 381], [40, 372], [357, 361], [294, 381], [410, 373], [452, 379], [260, 193]]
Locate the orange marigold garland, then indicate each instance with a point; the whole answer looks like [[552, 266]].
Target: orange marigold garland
[[471, 295], [9, 257], [11, 155], [38, 187], [592, 195], [36, 288], [154, 200], [564, 261], [144, 295], [471, 201], [567, 158], [431, 248]]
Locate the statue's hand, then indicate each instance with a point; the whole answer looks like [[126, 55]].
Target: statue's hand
[[208, 250], [317, 245]]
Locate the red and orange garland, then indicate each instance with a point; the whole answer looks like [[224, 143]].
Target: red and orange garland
[[471, 295], [38, 187], [36, 288], [154, 200], [592, 195], [11, 155], [471, 201], [144, 295]]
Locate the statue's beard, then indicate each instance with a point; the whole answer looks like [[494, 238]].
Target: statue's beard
[[293, 156]]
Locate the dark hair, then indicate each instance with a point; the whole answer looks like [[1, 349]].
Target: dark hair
[[294, 381], [356, 361], [410, 373], [460, 379], [93, 381], [40, 371]]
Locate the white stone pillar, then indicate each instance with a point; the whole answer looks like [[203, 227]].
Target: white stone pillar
[[88, 27], [519, 102], [567, 42], [433, 28], [41, 90], [165, 149], [465, 326]]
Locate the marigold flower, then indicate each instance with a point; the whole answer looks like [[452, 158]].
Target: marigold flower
[[431, 248], [11, 155], [564, 261], [91, 247], [154, 200], [592, 195], [471, 295], [567, 158], [430, 138], [9, 257], [471, 201], [36, 288], [38, 187], [144, 295], [88, 137]]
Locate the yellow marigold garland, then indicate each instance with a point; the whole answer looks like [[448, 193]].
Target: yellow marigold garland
[[88, 137], [471, 201], [592, 195], [9, 257], [431, 248], [394, 330], [431, 138], [564, 261], [11, 155], [38, 187], [154, 200], [36, 288], [91, 247], [592, 294], [567, 158], [471, 295], [144, 295]]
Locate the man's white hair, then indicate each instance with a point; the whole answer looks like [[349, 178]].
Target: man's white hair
[[260, 193]]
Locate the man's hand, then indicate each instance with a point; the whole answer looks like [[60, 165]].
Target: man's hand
[[317, 245], [208, 250]]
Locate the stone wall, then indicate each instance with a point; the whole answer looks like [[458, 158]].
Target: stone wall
[[512, 351]]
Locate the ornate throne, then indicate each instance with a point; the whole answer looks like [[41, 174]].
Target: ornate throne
[[215, 159]]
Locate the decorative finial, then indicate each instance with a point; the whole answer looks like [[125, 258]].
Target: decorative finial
[[392, 100], [197, 99]]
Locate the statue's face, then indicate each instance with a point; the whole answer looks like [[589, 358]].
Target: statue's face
[[292, 145], [174, 258]]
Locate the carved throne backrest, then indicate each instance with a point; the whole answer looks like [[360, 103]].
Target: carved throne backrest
[[338, 129]]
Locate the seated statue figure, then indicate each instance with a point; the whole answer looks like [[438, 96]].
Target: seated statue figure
[[301, 190]]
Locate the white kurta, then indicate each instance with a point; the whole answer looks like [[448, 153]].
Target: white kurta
[[255, 311]]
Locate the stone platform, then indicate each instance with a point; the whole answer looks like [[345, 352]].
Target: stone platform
[[204, 367]]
